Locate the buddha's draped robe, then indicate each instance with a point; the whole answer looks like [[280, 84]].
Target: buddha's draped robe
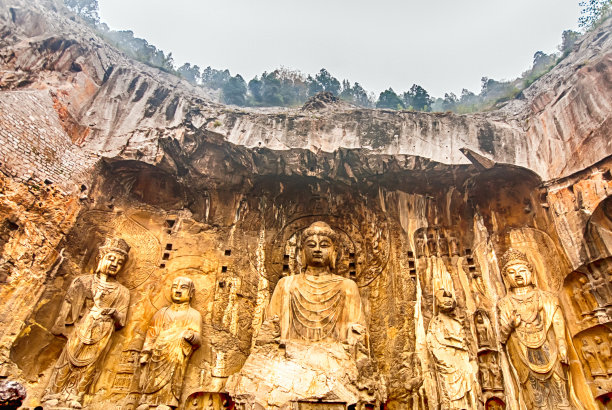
[[316, 308]]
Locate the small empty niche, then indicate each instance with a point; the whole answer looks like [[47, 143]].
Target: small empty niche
[[411, 264], [352, 274], [12, 226], [47, 182], [168, 231], [168, 246], [162, 265], [607, 176], [410, 254], [470, 260], [227, 252], [222, 284], [166, 256], [351, 254], [472, 268], [285, 268], [468, 251], [83, 188], [286, 258], [223, 268], [352, 265], [312, 169], [412, 272], [170, 223]]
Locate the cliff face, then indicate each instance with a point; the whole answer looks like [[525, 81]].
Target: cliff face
[[93, 144]]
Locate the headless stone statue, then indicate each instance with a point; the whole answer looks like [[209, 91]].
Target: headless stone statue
[[174, 333], [79, 362], [313, 337]]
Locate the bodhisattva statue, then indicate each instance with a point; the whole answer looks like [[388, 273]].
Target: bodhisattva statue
[[312, 345], [173, 334], [533, 330], [79, 362], [446, 341]]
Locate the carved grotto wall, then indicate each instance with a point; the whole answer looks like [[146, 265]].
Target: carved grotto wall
[[423, 206]]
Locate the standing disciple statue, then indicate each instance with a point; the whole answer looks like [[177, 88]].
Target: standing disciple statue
[[173, 334], [94, 326], [533, 330], [447, 343]]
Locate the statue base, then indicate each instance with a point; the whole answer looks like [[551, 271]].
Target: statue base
[[301, 373]]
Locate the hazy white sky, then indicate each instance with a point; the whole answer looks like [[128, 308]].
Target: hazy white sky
[[442, 45]]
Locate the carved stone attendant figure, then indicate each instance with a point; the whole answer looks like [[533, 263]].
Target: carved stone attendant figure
[[533, 330], [592, 359], [79, 362], [446, 341], [483, 331], [173, 334]]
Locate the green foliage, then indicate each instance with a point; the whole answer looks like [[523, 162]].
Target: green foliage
[[568, 39], [593, 12], [234, 90], [355, 95], [389, 99], [324, 81], [213, 78], [417, 98], [138, 48], [189, 73]]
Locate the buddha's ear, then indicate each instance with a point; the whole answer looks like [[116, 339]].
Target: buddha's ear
[[334, 259]]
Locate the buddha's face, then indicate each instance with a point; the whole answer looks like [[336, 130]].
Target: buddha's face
[[181, 290], [111, 263], [318, 250], [518, 275]]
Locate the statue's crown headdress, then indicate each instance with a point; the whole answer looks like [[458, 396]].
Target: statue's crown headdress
[[116, 245], [514, 256]]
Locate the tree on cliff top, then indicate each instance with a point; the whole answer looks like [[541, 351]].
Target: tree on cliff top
[[389, 99], [593, 12]]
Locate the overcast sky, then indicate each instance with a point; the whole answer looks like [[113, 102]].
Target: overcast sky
[[442, 45]]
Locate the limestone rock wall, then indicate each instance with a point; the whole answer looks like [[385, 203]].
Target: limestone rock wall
[[93, 144]]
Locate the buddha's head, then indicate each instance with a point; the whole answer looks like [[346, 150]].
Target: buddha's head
[[182, 290], [113, 256], [516, 269], [318, 246]]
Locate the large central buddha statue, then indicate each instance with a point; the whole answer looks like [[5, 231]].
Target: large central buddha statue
[[313, 343], [317, 305]]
